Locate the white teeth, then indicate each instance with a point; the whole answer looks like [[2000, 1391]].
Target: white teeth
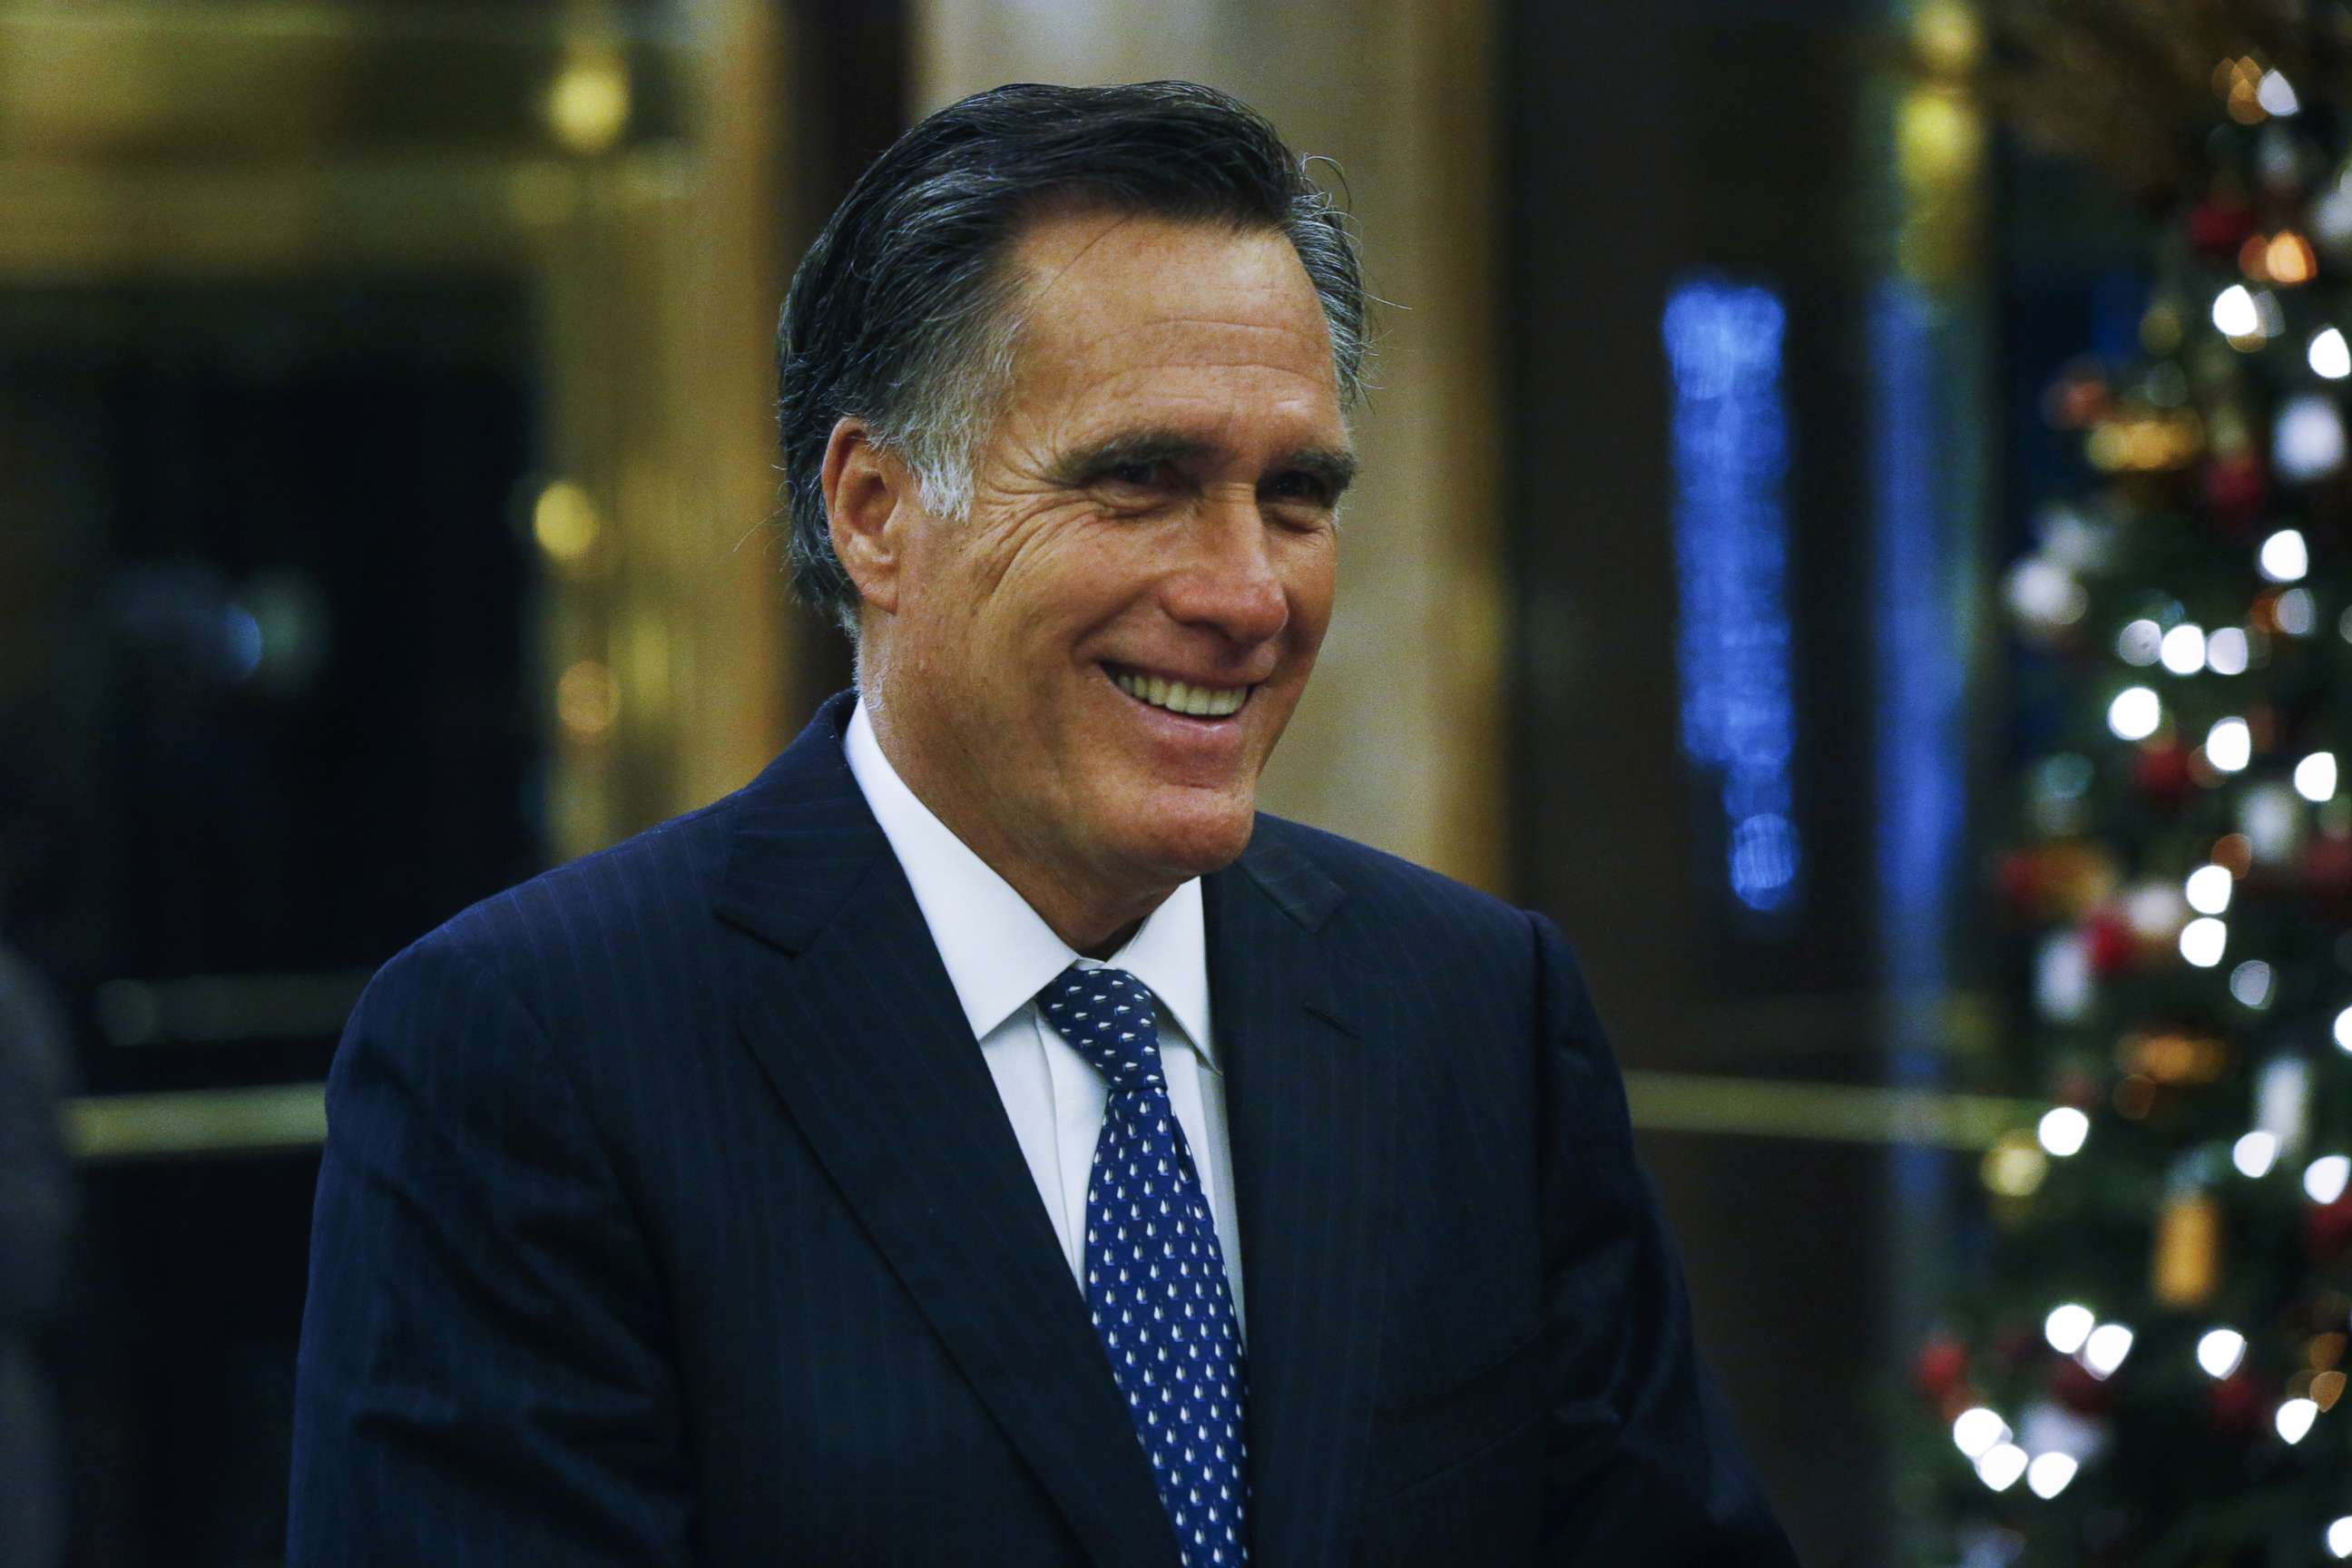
[[1180, 697]]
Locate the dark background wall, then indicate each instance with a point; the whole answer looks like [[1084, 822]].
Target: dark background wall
[[1650, 147]]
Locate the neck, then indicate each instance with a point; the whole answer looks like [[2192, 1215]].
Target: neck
[[1091, 922]]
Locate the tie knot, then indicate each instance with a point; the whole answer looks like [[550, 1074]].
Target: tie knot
[[1106, 1015]]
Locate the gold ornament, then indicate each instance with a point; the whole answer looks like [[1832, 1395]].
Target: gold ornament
[[2014, 1167], [2137, 439], [2188, 1263], [2075, 875], [2173, 1058]]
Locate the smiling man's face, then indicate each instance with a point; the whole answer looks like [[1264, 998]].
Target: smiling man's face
[[1085, 677]]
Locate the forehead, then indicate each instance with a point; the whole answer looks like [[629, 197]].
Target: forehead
[[1125, 308]]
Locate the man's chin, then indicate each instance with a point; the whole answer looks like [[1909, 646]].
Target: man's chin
[[1192, 838]]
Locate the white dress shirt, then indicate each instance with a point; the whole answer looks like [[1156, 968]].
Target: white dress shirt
[[999, 954]]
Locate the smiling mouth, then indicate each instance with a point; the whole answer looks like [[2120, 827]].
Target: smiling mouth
[[1192, 700]]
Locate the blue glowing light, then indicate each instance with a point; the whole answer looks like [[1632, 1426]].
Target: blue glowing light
[[1920, 605], [241, 641], [1921, 725], [1731, 547]]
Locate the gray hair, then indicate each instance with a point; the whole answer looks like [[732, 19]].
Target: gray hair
[[905, 314]]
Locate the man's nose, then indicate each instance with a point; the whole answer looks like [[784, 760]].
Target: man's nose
[[1230, 580]]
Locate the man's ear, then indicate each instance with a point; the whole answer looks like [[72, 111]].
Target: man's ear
[[869, 504]]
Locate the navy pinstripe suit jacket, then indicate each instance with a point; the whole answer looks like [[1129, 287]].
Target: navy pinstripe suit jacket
[[668, 1216]]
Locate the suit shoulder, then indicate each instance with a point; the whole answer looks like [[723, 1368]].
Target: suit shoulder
[[1388, 887], [649, 888]]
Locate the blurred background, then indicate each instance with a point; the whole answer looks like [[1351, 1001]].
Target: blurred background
[[1747, 572]]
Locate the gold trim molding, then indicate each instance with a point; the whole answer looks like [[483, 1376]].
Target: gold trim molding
[[197, 1121], [192, 85], [1819, 1112], [277, 1118]]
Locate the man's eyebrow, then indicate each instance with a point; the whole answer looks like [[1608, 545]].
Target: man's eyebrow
[[1081, 464], [1334, 466]]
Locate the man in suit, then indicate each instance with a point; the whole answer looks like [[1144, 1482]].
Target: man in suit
[[984, 1139]]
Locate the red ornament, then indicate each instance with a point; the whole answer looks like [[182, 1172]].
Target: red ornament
[[2327, 1228], [2072, 1386], [2160, 771], [1942, 1367], [2234, 489], [2077, 1088], [2238, 1404], [2023, 878], [2328, 875], [2076, 400], [2219, 225], [2107, 940]]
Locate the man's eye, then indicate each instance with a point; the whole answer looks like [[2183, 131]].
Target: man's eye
[[1300, 486], [1141, 474]]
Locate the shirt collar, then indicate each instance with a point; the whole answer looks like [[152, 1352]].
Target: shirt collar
[[998, 951]]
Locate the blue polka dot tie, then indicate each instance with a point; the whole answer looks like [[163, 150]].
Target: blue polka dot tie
[[1155, 1276]]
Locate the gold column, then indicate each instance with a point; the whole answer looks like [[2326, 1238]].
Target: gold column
[[726, 657], [623, 172]]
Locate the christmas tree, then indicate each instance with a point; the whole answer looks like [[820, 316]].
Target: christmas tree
[[2151, 1368]]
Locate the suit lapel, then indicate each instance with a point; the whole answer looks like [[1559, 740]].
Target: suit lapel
[[1308, 1114], [843, 998]]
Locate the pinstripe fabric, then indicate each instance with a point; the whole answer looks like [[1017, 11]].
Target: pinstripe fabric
[[669, 1216]]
